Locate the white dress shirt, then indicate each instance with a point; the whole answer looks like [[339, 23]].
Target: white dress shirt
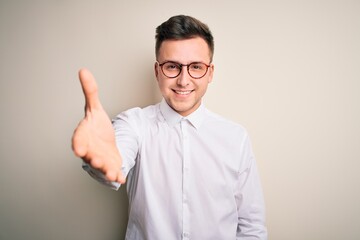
[[191, 177]]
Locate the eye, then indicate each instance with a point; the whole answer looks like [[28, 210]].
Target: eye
[[197, 66], [170, 66]]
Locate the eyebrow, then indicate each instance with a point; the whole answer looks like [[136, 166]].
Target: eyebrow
[[183, 63]]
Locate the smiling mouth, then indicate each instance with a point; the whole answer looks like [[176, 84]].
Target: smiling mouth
[[183, 92]]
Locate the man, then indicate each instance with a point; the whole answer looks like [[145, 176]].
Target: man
[[190, 173]]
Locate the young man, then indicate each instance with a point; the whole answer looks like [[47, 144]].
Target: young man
[[190, 173]]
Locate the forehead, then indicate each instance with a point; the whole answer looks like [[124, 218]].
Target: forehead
[[185, 50]]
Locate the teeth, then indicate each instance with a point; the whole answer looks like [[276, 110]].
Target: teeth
[[183, 92]]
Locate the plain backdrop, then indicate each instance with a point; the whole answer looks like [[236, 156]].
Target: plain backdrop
[[289, 71]]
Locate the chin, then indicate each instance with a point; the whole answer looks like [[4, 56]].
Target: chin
[[184, 110]]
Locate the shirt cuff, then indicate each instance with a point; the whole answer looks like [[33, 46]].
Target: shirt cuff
[[100, 177]]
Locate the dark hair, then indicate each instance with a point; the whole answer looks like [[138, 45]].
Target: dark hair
[[183, 27]]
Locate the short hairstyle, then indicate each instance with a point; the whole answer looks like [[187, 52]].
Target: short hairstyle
[[183, 27]]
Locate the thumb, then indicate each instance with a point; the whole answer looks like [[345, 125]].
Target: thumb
[[90, 89]]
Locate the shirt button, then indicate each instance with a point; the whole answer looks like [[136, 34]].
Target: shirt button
[[185, 236]]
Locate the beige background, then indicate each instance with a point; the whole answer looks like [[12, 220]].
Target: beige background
[[289, 71]]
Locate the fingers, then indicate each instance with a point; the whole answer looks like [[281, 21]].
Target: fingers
[[109, 166], [90, 89], [112, 171], [115, 176]]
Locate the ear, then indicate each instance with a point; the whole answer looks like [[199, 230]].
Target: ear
[[156, 69], [211, 73]]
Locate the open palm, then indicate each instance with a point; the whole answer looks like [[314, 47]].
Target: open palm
[[94, 138]]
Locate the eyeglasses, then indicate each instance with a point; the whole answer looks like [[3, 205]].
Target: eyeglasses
[[173, 69]]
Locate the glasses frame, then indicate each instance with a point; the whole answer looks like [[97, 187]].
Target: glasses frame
[[181, 67]]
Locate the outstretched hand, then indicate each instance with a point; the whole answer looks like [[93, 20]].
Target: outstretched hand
[[94, 138]]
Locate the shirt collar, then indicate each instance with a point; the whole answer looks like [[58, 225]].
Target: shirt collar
[[172, 117]]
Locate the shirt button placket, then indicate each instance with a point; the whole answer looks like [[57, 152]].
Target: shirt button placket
[[185, 202]]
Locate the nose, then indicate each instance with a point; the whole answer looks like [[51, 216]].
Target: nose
[[184, 77]]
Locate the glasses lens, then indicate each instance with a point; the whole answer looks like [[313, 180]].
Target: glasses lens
[[171, 69], [197, 70]]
